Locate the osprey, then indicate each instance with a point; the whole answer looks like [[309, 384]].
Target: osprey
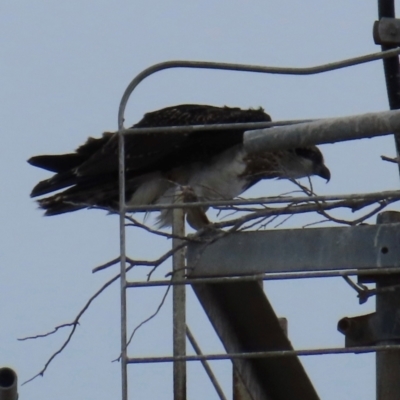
[[209, 165]]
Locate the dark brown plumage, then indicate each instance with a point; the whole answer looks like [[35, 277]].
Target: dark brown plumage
[[156, 161]]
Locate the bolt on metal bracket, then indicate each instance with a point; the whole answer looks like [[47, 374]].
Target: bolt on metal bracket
[[386, 31]]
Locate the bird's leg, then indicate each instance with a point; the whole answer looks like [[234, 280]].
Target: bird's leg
[[195, 216]]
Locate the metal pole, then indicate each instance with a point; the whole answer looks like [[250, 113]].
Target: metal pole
[[8, 384], [386, 9], [121, 173], [205, 364], [388, 362], [328, 130], [179, 303], [388, 311]]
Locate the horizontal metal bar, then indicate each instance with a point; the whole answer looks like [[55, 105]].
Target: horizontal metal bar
[[246, 68], [266, 354], [212, 127], [392, 194], [267, 277], [317, 249], [329, 130]]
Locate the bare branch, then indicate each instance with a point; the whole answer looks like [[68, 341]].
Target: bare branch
[[312, 206], [106, 265], [47, 333], [136, 223], [150, 317], [116, 261], [73, 324]]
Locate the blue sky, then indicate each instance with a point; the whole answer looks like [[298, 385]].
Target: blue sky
[[64, 68]]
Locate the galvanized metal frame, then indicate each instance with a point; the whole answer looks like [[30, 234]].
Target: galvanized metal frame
[[376, 196], [122, 208], [269, 354], [388, 364]]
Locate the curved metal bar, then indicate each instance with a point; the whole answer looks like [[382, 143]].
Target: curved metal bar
[[245, 68]]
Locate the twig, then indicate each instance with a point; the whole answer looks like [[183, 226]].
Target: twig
[[322, 221], [165, 257], [149, 318], [114, 262], [138, 224], [283, 221], [47, 333], [74, 324]]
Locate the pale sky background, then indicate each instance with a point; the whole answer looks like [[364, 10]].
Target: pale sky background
[[63, 69]]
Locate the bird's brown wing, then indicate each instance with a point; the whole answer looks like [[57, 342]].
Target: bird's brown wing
[[95, 163], [162, 152]]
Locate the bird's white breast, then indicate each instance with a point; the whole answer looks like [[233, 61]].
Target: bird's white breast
[[220, 178]]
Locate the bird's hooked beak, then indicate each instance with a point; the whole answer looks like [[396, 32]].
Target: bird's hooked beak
[[324, 172]]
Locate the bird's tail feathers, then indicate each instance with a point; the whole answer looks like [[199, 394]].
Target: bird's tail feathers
[[81, 196], [55, 205], [56, 163], [57, 182]]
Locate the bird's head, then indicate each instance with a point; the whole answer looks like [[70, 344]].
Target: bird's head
[[310, 161]]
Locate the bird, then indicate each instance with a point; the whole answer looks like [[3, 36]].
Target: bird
[[206, 165]]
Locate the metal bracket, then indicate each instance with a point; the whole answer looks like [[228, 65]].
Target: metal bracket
[[387, 31], [381, 327], [367, 330]]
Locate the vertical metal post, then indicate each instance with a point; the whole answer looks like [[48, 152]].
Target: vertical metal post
[[386, 9], [388, 362], [179, 304], [121, 168], [388, 311]]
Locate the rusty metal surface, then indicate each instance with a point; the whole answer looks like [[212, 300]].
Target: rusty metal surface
[[317, 249], [245, 322]]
